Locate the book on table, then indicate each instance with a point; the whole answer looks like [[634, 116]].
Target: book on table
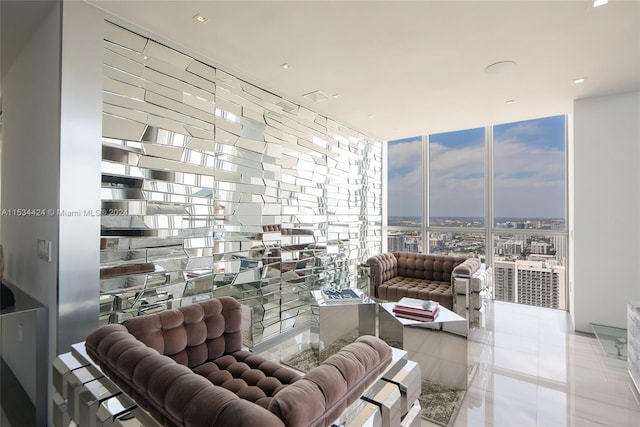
[[416, 314], [416, 309], [417, 306], [416, 318], [341, 295]]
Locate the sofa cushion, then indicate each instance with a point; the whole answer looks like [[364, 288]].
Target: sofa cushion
[[249, 376], [329, 388], [436, 268], [193, 334], [399, 287]]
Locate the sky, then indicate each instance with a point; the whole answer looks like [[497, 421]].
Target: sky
[[529, 171]]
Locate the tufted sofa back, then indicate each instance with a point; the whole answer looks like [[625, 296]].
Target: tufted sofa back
[[193, 334], [426, 266]]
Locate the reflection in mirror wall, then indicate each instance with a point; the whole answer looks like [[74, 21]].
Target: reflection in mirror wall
[[212, 186]]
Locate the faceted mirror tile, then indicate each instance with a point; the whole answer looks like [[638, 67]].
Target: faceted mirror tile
[[225, 189]]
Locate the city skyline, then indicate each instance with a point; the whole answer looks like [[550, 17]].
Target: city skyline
[[526, 268], [392, 220]]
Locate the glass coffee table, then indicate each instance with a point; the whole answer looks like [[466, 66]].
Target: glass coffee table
[[439, 346]]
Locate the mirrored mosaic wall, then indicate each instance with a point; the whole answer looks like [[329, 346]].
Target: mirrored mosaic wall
[[212, 186]]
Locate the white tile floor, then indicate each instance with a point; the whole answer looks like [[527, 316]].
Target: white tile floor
[[534, 371]]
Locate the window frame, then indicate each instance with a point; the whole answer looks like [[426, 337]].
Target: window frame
[[489, 230]]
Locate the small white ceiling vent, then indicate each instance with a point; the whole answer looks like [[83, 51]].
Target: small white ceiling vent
[[316, 96], [287, 106]]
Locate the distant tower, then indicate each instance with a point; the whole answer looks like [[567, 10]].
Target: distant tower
[[540, 285], [560, 245], [411, 244], [395, 242], [504, 281]]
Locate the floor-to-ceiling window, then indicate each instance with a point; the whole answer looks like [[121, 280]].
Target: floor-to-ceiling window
[[529, 212], [405, 195], [456, 193], [497, 193]]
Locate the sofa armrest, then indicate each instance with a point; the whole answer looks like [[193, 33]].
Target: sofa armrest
[[383, 267], [467, 268], [330, 388]]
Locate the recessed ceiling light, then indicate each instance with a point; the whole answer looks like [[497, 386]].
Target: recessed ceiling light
[[500, 67], [200, 18], [336, 96], [285, 66], [371, 116], [511, 101], [580, 80], [598, 3]]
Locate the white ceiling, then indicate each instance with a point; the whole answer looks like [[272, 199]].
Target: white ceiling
[[417, 66]]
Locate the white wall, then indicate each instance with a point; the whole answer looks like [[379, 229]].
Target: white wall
[[80, 176], [51, 152], [606, 209], [30, 157]]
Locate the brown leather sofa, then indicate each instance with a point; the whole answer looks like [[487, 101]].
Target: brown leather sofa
[[394, 275], [186, 367]]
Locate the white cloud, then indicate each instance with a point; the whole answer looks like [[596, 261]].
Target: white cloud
[[405, 155], [529, 179]]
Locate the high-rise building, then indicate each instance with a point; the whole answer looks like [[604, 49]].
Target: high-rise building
[[560, 246], [395, 242], [540, 248], [504, 280], [530, 282], [412, 244], [509, 247], [540, 284]]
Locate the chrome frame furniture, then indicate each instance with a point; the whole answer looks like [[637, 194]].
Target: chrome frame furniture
[[439, 346], [394, 275], [85, 397], [141, 371]]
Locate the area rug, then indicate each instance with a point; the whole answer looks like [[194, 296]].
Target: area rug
[[308, 358], [440, 404]]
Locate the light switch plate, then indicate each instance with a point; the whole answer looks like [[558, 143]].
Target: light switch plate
[[44, 250]]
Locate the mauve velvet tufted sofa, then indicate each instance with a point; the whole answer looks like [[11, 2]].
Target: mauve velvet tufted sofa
[[186, 367], [394, 275]]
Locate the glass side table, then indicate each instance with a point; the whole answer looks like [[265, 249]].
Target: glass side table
[[340, 322], [612, 340], [439, 347]]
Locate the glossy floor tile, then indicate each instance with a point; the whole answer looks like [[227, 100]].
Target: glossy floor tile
[[533, 370]]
